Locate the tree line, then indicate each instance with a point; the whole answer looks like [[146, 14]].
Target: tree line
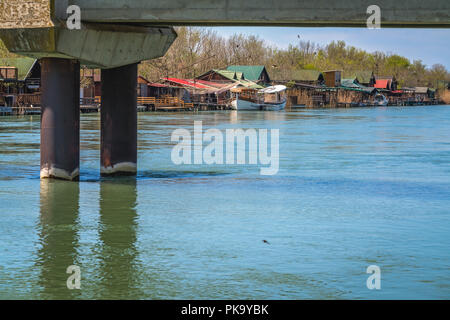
[[198, 50]]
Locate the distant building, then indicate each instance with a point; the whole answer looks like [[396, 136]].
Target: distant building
[[354, 84], [19, 75], [333, 78], [214, 91], [257, 74], [91, 83], [423, 93], [365, 78], [218, 75], [228, 77], [386, 83], [142, 87], [311, 77]]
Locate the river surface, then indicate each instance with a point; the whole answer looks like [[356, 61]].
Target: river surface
[[355, 188]]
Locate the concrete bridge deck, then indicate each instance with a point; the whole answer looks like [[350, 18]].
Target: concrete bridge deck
[[320, 13]]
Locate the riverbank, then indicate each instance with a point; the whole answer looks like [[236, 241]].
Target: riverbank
[[5, 111]]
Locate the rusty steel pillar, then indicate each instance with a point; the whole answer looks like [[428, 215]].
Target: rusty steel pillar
[[60, 120], [119, 121]]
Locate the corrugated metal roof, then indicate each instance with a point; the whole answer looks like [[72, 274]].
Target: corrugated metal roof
[[250, 84], [157, 85], [351, 84], [296, 75], [187, 82], [23, 65], [213, 84], [383, 83], [231, 75], [236, 77]]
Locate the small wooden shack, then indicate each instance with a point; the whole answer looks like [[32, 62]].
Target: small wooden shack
[[333, 78], [19, 76]]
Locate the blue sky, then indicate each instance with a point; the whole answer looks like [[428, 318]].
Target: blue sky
[[429, 45]]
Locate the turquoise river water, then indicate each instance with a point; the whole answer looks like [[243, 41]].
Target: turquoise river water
[[356, 187]]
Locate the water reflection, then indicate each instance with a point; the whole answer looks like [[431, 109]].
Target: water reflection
[[119, 266], [370, 193], [233, 117], [59, 237]]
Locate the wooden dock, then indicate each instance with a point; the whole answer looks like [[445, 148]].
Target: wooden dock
[[5, 111], [165, 104], [30, 105], [89, 108], [22, 111]]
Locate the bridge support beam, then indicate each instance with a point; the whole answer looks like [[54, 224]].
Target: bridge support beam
[[60, 120], [119, 121]]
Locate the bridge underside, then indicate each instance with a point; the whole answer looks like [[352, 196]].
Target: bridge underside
[[319, 13], [115, 35]]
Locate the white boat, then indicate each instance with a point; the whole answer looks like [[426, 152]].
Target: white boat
[[380, 100], [271, 98]]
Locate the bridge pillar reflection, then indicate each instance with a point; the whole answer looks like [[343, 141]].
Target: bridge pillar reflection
[[59, 237], [119, 121], [119, 273], [60, 120]]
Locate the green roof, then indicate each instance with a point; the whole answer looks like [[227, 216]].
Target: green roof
[[351, 84], [23, 65], [252, 73], [362, 76], [250, 84], [297, 75], [237, 77], [231, 75]]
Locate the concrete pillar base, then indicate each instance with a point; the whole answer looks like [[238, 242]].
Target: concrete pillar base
[[55, 173], [120, 168]]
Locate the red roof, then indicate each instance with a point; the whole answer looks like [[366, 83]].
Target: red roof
[[213, 84], [158, 85], [382, 83], [187, 82]]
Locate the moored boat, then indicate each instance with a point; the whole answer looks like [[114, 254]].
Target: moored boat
[[271, 98], [381, 100]]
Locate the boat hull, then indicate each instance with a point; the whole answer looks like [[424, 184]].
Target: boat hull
[[240, 104], [381, 101]]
